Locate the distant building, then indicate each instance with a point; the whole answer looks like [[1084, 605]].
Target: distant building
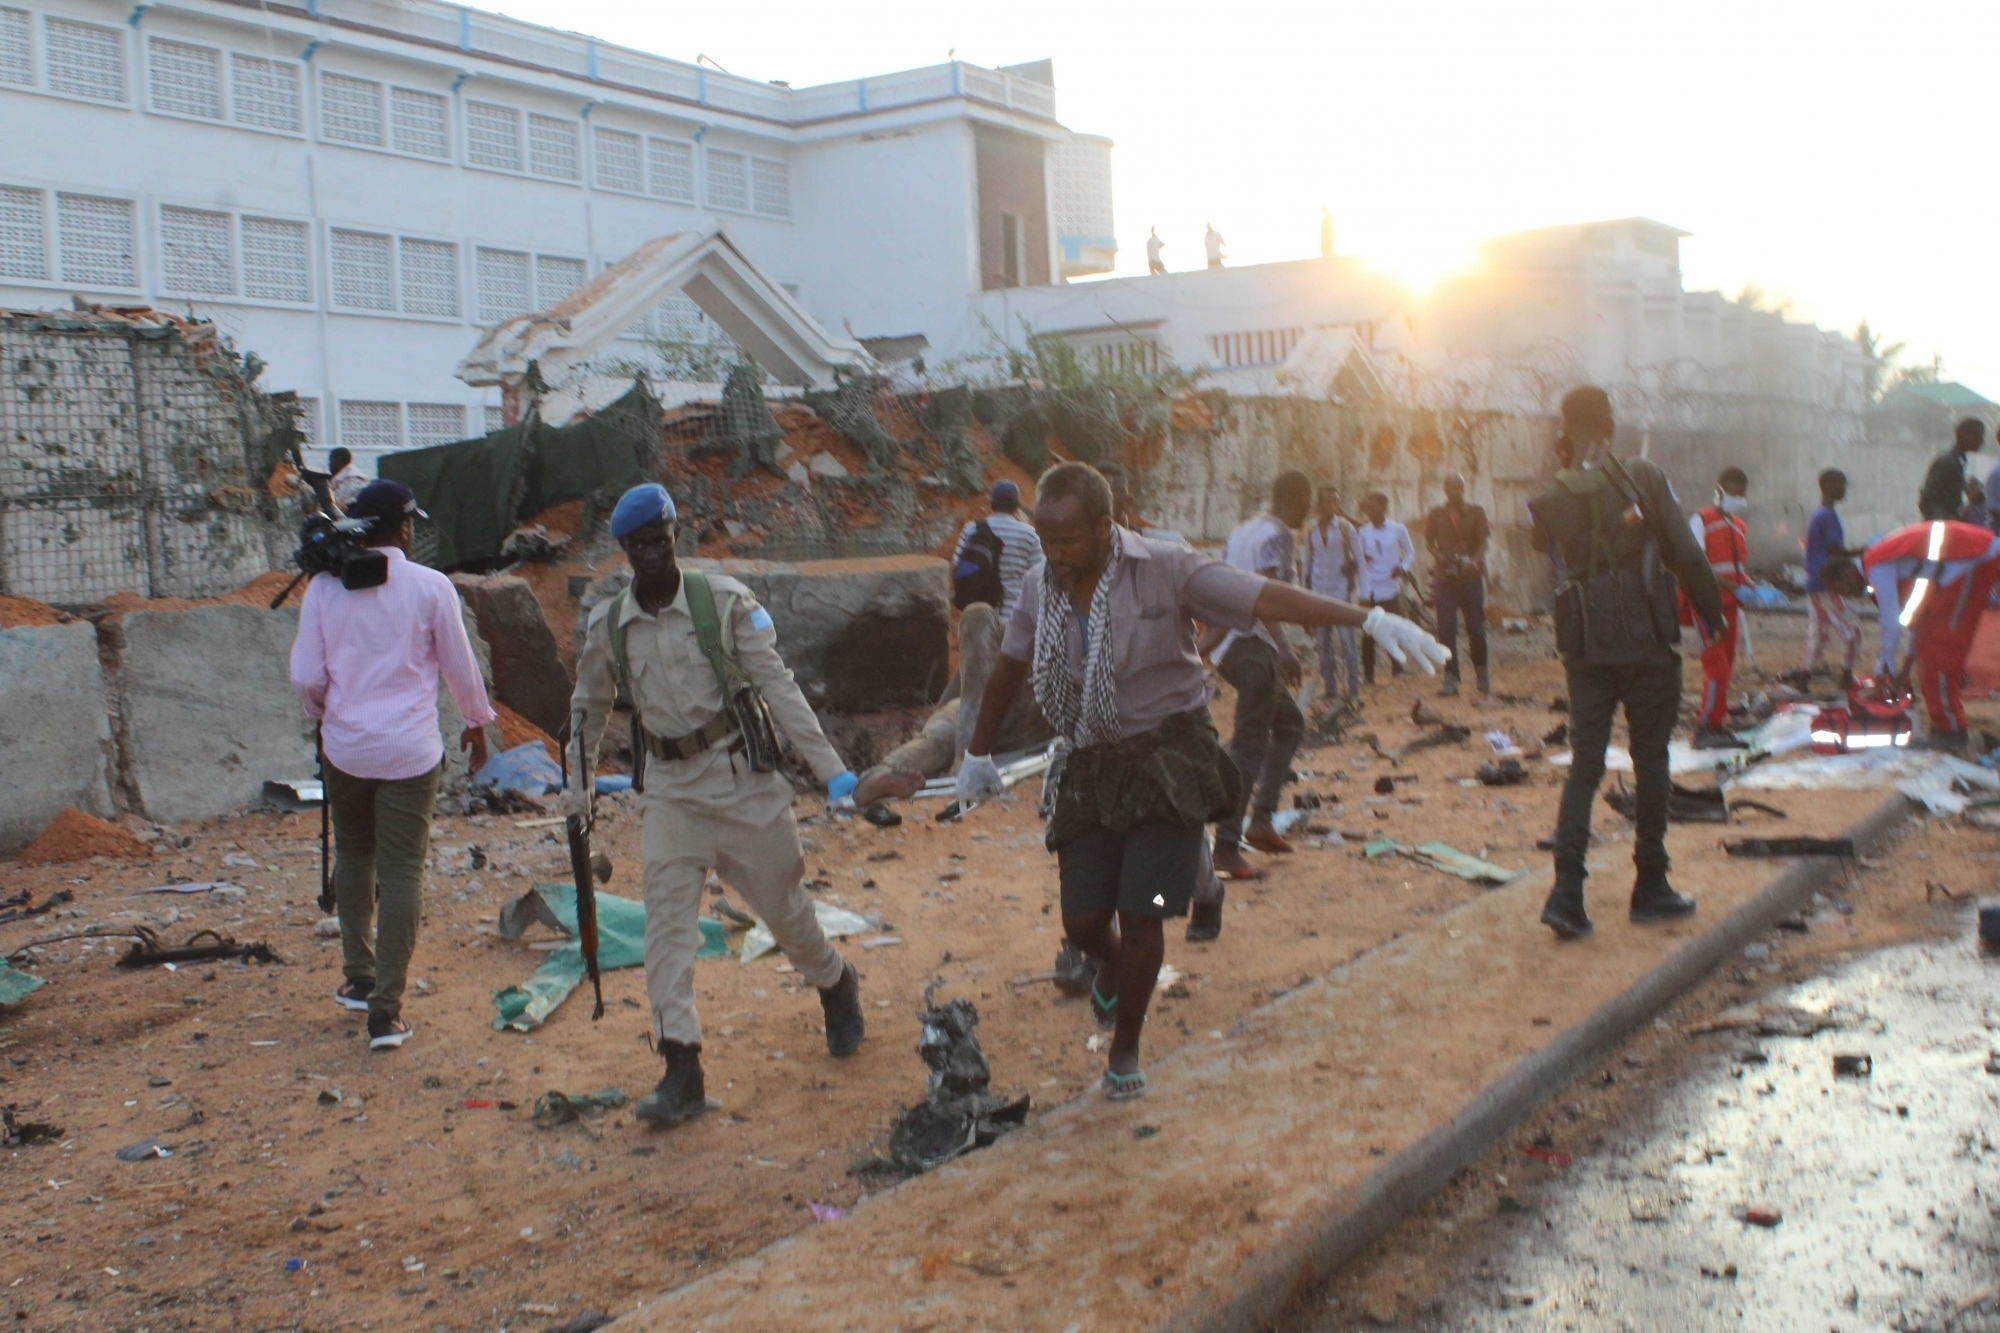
[[354, 188]]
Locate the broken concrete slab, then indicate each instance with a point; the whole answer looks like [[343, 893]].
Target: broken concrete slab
[[54, 729], [859, 635], [208, 712], [527, 671]]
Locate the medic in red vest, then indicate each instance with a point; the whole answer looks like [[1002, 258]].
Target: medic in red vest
[[1934, 580], [1720, 529]]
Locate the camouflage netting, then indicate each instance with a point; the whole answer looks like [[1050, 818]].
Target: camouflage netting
[[850, 409], [742, 426], [1090, 421], [948, 418]]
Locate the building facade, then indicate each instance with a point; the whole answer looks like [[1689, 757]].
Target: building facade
[[352, 189]]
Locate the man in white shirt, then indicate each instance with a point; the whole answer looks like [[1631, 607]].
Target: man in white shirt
[[1330, 568], [1262, 668], [1386, 554], [344, 480], [1211, 243], [1154, 264]]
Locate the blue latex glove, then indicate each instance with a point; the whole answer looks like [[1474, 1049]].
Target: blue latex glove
[[841, 785]]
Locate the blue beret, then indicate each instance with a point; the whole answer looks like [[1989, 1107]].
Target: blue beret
[[639, 506]]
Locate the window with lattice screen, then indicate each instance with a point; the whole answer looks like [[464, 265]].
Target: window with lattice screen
[[84, 60], [670, 170], [771, 187], [679, 319], [419, 123], [363, 265], [264, 94], [728, 180], [495, 417], [24, 244], [369, 428], [350, 109], [429, 277], [553, 148], [620, 162], [96, 240], [195, 252], [556, 277], [308, 420], [17, 49], [277, 259], [183, 79], [436, 423], [492, 136], [506, 284]]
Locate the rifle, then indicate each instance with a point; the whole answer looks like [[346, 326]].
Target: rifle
[[326, 902], [577, 827], [1621, 481]]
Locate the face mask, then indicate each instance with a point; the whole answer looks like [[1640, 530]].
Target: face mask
[[1733, 504]]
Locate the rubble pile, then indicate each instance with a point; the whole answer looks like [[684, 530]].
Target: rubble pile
[[76, 836]]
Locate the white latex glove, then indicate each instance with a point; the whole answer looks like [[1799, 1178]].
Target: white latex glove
[[979, 780], [1403, 640]]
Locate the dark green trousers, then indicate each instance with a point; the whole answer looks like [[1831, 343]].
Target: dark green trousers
[[381, 838]]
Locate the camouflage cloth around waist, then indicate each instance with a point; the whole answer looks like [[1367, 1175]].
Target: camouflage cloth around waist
[[1177, 773]]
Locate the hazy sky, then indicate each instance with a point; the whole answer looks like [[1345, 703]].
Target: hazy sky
[[1839, 155]]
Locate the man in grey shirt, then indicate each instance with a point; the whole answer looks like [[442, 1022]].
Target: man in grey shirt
[[1106, 631]]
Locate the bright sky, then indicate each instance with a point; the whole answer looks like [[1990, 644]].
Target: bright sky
[[1828, 151]]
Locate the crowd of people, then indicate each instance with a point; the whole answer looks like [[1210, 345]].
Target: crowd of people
[[1085, 625]]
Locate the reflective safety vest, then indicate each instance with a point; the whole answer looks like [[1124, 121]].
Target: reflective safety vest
[[1726, 538]]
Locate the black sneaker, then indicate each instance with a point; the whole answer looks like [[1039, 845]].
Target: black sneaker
[[386, 1033], [841, 1003], [354, 994], [1653, 899], [1563, 913]]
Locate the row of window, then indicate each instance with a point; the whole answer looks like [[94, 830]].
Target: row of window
[[1259, 347], [370, 428], [187, 79], [209, 253]]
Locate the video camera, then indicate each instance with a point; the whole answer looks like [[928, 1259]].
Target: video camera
[[337, 546]]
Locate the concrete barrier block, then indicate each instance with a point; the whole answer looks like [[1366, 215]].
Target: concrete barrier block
[[53, 729], [208, 708], [528, 674]]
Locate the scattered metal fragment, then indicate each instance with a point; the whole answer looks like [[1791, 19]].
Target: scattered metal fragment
[[19, 910], [18, 1133], [1853, 1066], [149, 952], [140, 1151], [959, 1112], [1762, 847], [561, 1108]]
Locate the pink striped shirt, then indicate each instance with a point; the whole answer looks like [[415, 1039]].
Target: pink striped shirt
[[366, 666]]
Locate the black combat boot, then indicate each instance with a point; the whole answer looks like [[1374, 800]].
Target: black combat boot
[[842, 1003], [680, 1096], [1563, 912], [1653, 899]]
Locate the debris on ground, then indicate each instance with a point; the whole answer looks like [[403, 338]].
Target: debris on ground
[[959, 1111], [76, 836], [1775, 1020], [16, 985], [554, 1108], [18, 1133], [1762, 1215], [1784, 847], [621, 942], [837, 922], [150, 952], [140, 1151], [1443, 856], [1508, 772], [1853, 1066], [22, 905]]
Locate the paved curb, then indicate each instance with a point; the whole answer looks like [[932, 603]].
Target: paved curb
[[1274, 1281]]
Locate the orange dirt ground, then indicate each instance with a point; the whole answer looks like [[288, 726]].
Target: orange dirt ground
[[408, 1209]]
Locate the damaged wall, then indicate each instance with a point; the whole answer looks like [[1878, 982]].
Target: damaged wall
[[130, 459]]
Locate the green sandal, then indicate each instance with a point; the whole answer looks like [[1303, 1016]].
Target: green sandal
[[1103, 1010], [1123, 1087]]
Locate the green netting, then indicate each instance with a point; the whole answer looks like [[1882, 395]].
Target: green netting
[[743, 425], [478, 491]]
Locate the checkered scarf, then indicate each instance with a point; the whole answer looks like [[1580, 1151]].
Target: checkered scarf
[[1089, 715]]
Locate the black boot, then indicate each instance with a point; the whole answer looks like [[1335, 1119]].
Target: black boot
[[842, 1003], [1205, 915], [680, 1096], [1653, 899], [1563, 912]]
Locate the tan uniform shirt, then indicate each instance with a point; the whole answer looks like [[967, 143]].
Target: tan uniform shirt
[[675, 691]]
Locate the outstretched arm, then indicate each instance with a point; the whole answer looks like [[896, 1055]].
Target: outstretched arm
[[1282, 602]]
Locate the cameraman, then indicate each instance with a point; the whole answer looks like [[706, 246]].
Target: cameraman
[[366, 667]]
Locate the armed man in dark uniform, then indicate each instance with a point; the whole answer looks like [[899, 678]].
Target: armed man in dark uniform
[[1620, 542]]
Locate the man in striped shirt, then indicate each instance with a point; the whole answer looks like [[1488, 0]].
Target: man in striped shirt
[[981, 625]]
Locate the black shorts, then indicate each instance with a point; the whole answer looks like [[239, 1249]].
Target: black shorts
[[1151, 871]]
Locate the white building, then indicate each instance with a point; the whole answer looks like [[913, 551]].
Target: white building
[[353, 188]]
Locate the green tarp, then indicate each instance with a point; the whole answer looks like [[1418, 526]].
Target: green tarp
[[17, 985], [1443, 856], [478, 491], [621, 942]]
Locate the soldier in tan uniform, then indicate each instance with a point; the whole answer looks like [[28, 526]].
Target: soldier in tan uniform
[[709, 798]]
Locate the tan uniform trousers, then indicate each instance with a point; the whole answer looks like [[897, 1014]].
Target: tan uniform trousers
[[753, 843]]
